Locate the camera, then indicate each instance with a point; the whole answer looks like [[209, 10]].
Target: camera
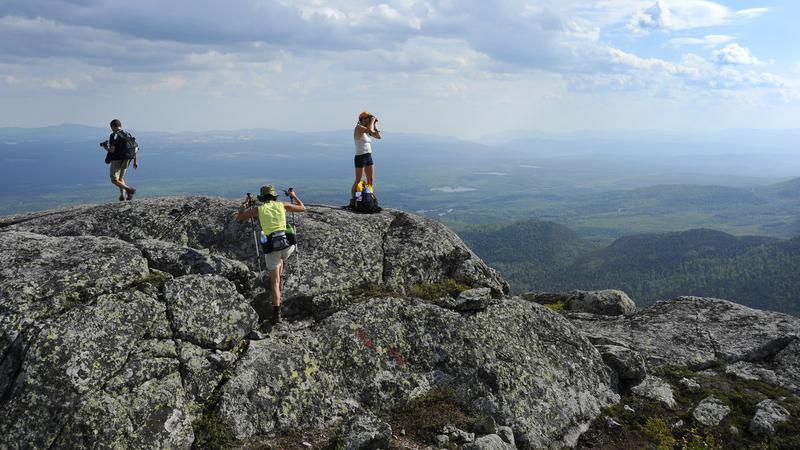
[[104, 144]]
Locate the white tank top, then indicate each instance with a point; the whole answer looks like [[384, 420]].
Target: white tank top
[[363, 144]]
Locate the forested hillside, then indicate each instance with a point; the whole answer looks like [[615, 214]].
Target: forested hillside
[[527, 250], [756, 271]]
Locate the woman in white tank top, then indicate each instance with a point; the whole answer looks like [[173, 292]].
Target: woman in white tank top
[[362, 135]]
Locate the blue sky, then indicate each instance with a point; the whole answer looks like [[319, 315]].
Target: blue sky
[[464, 68]]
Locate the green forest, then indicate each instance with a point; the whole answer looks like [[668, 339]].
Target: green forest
[[760, 272]]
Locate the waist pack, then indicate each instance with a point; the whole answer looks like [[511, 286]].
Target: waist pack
[[275, 242]]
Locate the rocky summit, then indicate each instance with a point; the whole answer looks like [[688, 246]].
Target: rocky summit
[[142, 325]]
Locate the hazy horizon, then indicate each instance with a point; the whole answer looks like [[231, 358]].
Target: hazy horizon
[[508, 134]]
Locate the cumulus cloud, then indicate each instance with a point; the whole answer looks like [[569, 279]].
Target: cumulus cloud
[[629, 59], [166, 83], [337, 50], [734, 54], [420, 55], [60, 84], [709, 41], [436, 36], [510, 33], [637, 73], [687, 14]]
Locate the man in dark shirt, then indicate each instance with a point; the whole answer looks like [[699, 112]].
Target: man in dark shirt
[[121, 157]]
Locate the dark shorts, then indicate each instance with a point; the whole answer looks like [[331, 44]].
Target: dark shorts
[[364, 160]]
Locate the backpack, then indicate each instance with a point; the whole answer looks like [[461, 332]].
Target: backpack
[[366, 202], [131, 148]]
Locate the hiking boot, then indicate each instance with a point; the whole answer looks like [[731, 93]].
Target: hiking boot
[[131, 191], [276, 314], [121, 198]]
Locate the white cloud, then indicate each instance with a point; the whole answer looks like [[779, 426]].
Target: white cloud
[[687, 14], [609, 82], [691, 72], [750, 13], [60, 84], [420, 55], [320, 55], [709, 41], [620, 57], [11, 79], [166, 83], [734, 54]]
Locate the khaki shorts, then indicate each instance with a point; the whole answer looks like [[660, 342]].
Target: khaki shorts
[[118, 167], [273, 259]]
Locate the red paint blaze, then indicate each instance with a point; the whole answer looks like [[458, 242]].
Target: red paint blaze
[[397, 356], [364, 339]]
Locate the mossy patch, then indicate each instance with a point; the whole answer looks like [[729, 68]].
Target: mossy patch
[[154, 278], [329, 438], [658, 433], [652, 425], [674, 373], [425, 416], [210, 432], [379, 290], [438, 289], [556, 307]]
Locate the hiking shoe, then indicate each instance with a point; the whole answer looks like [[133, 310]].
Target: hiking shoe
[[131, 191], [276, 315], [121, 198]]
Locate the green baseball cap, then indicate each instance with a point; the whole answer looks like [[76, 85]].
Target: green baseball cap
[[268, 189]]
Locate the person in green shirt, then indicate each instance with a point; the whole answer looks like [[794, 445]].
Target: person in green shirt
[[271, 215]]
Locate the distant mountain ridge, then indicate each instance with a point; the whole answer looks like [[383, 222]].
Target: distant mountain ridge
[[77, 132], [789, 189], [759, 272], [612, 189]]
